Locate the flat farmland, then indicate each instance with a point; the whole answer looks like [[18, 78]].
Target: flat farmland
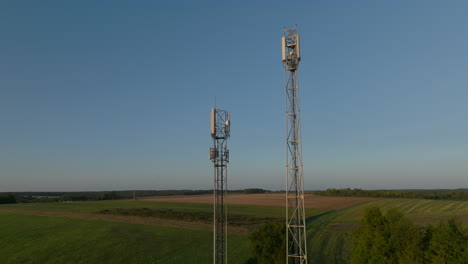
[[270, 199], [76, 232], [421, 210], [176, 205], [57, 240], [329, 238], [90, 210]]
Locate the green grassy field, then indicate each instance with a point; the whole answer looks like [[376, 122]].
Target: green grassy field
[[40, 239], [329, 237], [95, 206], [418, 209], [46, 239]]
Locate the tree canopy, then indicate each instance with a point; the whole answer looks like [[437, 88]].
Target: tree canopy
[[393, 238], [7, 199], [268, 242]]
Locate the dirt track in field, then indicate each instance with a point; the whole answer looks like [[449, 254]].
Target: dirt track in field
[[270, 199], [129, 219]]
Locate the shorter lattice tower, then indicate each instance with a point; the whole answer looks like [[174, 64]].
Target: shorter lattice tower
[[219, 155]]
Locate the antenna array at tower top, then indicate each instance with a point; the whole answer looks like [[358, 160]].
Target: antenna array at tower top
[[290, 49]]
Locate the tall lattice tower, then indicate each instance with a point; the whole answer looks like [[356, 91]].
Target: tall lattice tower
[[296, 252], [219, 155]]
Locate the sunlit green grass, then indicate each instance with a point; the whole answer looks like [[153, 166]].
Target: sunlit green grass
[[61, 240], [41, 239]]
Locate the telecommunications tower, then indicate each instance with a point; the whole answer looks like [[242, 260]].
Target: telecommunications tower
[[296, 252], [219, 155]]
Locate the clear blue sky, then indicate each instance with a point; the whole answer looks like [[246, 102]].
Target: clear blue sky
[[117, 94]]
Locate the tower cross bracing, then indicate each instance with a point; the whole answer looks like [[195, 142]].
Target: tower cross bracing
[[219, 155], [296, 252]]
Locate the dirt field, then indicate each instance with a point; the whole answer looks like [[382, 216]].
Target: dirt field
[[276, 199]]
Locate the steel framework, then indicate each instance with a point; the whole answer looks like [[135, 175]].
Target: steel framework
[[219, 155], [296, 252]]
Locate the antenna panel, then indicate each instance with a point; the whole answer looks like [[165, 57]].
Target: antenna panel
[[298, 49], [283, 48], [213, 122]]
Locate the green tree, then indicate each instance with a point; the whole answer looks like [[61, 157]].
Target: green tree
[[254, 190], [268, 242], [7, 199], [366, 238], [386, 239], [109, 196], [448, 244], [404, 239]]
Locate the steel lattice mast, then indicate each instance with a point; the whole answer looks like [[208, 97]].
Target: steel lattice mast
[[219, 155], [296, 252]]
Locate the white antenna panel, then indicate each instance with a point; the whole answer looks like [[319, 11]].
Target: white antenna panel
[[283, 48], [213, 122], [298, 50]]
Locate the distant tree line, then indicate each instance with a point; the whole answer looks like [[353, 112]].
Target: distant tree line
[[458, 194], [46, 197], [254, 190], [7, 199], [393, 238]]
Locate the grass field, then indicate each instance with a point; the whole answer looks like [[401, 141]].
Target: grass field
[[40, 239], [329, 237], [95, 206], [45, 239], [422, 211]]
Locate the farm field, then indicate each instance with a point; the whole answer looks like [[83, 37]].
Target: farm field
[[41, 239], [90, 210], [329, 237], [68, 231], [95, 206], [35, 233], [269, 199], [420, 210]]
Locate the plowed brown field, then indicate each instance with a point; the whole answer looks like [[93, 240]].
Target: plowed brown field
[[270, 199]]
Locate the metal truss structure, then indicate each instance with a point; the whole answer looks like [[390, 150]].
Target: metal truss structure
[[219, 155], [296, 252]]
